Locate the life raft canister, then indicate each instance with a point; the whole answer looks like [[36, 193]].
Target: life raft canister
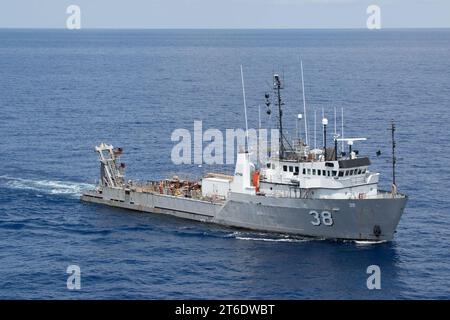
[[256, 180]]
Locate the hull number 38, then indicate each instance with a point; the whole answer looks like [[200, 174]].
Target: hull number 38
[[323, 217]]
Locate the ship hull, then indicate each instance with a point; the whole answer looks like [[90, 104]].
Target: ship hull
[[350, 219]]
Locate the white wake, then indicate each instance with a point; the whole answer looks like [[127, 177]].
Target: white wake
[[46, 186], [368, 243], [265, 237]]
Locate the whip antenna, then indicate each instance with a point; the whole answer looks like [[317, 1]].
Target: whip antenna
[[245, 109], [304, 104]]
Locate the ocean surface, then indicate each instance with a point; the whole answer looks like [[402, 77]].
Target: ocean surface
[[62, 92]]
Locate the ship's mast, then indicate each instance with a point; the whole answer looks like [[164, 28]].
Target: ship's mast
[[304, 104], [342, 127], [315, 129], [394, 158], [278, 86], [335, 136], [245, 110], [335, 132], [258, 135]]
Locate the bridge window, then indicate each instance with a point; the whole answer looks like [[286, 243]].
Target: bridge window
[[304, 171], [363, 170], [346, 173], [323, 173], [334, 173], [309, 171], [314, 172], [359, 171], [291, 169], [296, 170], [268, 165], [341, 173], [329, 173], [284, 168], [318, 172]]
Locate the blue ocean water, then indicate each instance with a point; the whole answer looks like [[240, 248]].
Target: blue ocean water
[[62, 92]]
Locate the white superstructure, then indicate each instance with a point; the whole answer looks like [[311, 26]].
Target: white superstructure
[[316, 177]]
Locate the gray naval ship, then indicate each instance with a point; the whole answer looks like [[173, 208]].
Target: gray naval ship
[[320, 192]]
